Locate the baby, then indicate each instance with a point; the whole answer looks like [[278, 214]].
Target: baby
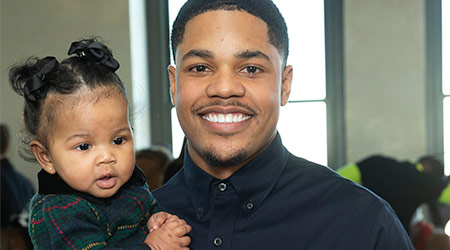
[[91, 195]]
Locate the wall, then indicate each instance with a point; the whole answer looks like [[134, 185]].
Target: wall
[[47, 27], [385, 78]]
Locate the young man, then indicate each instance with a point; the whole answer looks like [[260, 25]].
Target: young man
[[239, 187]]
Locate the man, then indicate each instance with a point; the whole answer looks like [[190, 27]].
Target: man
[[403, 184], [239, 187]]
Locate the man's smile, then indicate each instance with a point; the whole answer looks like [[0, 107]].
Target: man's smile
[[225, 118]]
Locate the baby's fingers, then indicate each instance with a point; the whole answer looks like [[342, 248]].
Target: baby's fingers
[[157, 220], [178, 227]]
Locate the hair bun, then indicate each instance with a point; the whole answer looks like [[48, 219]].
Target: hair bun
[[36, 88], [95, 51]]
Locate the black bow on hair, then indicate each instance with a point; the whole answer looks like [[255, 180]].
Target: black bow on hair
[[36, 88], [96, 52]]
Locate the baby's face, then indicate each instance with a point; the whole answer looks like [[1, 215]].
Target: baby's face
[[91, 147]]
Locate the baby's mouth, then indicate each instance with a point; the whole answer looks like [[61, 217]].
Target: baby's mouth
[[106, 181]]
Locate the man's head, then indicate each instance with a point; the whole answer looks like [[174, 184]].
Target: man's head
[[229, 82], [4, 139], [432, 165], [263, 9]]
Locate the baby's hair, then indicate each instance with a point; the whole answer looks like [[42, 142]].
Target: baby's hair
[[42, 83]]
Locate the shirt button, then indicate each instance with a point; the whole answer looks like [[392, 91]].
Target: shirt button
[[249, 205], [200, 210], [217, 241], [222, 186]]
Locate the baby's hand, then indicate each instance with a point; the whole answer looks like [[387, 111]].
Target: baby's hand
[[170, 236], [156, 220]]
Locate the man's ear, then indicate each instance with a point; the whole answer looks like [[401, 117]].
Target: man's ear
[[173, 83], [286, 84], [42, 156]]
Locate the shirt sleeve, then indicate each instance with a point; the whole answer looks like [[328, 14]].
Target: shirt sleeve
[[387, 232], [71, 224]]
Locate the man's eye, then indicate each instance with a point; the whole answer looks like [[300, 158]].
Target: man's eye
[[84, 147], [118, 141], [198, 68], [251, 69]]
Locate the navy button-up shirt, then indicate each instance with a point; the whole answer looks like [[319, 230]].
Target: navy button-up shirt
[[279, 201]]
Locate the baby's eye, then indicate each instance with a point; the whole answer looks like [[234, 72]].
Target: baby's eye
[[84, 147], [118, 141]]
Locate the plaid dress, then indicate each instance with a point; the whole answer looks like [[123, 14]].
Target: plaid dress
[[62, 218]]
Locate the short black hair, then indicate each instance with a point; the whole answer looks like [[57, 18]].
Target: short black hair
[[263, 9], [432, 165]]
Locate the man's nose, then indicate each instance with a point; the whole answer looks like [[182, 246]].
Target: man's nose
[[226, 84]]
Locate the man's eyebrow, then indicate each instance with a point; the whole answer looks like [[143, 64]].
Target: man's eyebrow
[[252, 53], [198, 53]]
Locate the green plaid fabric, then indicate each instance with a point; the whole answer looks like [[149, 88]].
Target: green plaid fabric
[[71, 221]]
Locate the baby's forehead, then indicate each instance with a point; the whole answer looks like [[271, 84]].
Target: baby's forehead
[[86, 95]]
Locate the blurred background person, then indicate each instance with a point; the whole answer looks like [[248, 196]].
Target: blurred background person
[[154, 161], [16, 192], [176, 164], [406, 185]]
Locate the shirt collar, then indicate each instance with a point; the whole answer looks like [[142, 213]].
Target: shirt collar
[[54, 184], [253, 182]]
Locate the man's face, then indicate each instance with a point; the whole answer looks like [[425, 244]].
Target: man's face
[[227, 88]]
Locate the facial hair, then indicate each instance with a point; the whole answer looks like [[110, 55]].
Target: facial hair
[[213, 160]]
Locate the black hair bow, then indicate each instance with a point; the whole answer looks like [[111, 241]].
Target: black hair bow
[[94, 51], [36, 88]]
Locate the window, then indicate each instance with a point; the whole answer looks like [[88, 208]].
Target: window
[[303, 121], [438, 79], [446, 79]]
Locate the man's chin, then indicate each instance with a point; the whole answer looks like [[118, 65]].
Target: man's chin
[[214, 160]]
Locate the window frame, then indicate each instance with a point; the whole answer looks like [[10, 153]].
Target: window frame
[[434, 94]]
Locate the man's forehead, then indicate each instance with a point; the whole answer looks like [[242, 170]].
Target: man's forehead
[[217, 31]]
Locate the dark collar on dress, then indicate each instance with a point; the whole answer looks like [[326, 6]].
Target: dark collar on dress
[[253, 182], [54, 184]]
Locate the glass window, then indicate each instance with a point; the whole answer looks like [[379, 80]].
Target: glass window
[[447, 134], [305, 23], [446, 47], [446, 80], [302, 122], [303, 130]]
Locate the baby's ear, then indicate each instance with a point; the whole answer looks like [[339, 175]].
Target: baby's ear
[[42, 156]]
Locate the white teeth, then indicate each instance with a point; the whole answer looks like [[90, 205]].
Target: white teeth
[[221, 118], [228, 118]]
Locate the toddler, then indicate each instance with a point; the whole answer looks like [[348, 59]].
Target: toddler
[[91, 195]]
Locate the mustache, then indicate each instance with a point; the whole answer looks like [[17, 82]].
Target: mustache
[[223, 103]]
